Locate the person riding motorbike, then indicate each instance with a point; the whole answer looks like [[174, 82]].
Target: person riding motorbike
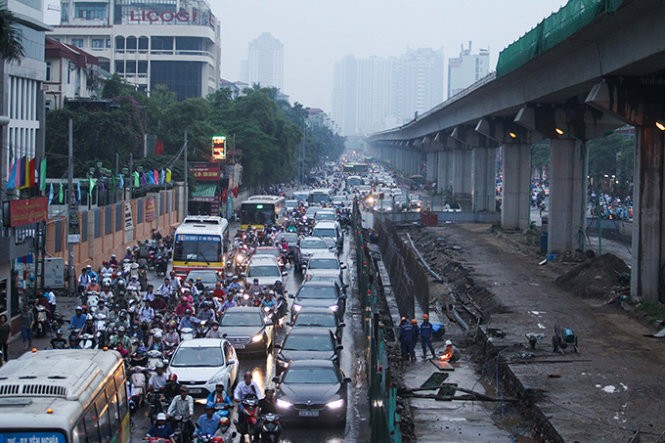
[[188, 321], [245, 389], [157, 380], [171, 337], [255, 287], [214, 331], [59, 342], [207, 313], [121, 340], [230, 302], [220, 401], [93, 286], [78, 319], [182, 406], [182, 307], [208, 423], [161, 428], [114, 260], [157, 343], [165, 289]]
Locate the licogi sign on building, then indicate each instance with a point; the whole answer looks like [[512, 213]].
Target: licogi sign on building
[[163, 16]]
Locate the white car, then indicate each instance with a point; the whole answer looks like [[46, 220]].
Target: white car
[[201, 363], [266, 269], [324, 264], [312, 245]]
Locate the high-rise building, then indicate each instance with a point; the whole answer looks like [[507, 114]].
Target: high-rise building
[[175, 43], [467, 69], [377, 93], [265, 62], [21, 144]]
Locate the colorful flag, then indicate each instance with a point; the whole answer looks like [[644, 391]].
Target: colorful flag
[[137, 179], [162, 177], [92, 186], [11, 183], [144, 179], [121, 182], [50, 194], [155, 176], [61, 194], [30, 172], [151, 178], [20, 172], [42, 175], [78, 191], [168, 175]]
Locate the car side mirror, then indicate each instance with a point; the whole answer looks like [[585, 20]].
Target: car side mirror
[[339, 347], [343, 266], [275, 379], [346, 380], [224, 335], [341, 325], [278, 346], [292, 296], [231, 362], [284, 274], [345, 287], [288, 323], [304, 267]]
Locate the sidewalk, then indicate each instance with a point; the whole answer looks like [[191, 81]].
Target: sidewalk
[[65, 306]]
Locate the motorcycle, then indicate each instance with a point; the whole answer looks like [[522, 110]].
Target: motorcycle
[[41, 321], [187, 333], [157, 403], [271, 428], [91, 300], [154, 357], [101, 325], [161, 265], [137, 388], [247, 420]]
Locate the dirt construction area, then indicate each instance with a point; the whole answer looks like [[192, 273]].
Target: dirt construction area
[[611, 390]]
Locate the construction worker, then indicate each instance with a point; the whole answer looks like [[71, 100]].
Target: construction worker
[[426, 331], [405, 338]]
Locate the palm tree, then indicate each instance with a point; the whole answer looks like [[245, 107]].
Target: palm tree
[[10, 37]]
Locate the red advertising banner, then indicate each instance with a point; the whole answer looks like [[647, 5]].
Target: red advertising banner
[[205, 171], [25, 212], [150, 209]]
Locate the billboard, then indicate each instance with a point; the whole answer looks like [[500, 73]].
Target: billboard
[[27, 211]]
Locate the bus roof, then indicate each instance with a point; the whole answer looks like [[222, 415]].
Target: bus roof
[[51, 387], [205, 229], [67, 374], [205, 219], [321, 190], [265, 198]]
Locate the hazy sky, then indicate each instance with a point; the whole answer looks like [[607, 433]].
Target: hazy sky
[[318, 33]]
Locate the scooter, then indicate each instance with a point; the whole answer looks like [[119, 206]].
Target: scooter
[[138, 382], [41, 321], [247, 420], [271, 428]]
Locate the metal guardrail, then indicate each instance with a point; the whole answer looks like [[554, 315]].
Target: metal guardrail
[[384, 419]]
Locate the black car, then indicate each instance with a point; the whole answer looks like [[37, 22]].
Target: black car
[[306, 344], [247, 329], [313, 391], [319, 319], [318, 294]]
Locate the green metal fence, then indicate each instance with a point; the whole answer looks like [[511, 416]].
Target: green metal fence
[[384, 419], [556, 28]]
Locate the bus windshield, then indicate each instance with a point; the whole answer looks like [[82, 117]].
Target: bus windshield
[[257, 213], [197, 248], [319, 197]]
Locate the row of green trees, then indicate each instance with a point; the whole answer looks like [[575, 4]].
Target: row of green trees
[[266, 131]]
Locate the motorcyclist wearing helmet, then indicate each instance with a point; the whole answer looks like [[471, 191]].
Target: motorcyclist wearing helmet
[[172, 387], [267, 403], [157, 380], [255, 287], [278, 287], [121, 340], [214, 331], [207, 313], [268, 300], [219, 293], [114, 260], [171, 337], [207, 423], [161, 428], [220, 401], [58, 342], [183, 306], [165, 289], [230, 302], [188, 321], [93, 286], [157, 343]]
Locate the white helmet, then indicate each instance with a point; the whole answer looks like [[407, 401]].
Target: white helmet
[[157, 334], [449, 343], [161, 416]]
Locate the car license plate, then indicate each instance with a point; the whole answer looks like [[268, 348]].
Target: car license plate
[[239, 346], [309, 413], [194, 390]]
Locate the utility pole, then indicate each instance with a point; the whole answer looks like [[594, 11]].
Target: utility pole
[[186, 181], [70, 204]]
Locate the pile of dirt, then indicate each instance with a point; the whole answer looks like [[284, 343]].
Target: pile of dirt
[[596, 278]]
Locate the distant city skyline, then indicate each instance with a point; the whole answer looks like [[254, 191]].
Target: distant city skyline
[[316, 35], [265, 62]]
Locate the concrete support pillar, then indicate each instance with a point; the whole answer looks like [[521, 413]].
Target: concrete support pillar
[[516, 199], [649, 220], [567, 195], [432, 166], [463, 171], [443, 178], [483, 179], [457, 177]]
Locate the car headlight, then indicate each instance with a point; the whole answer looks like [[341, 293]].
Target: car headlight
[[333, 308], [335, 404], [283, 404], [257, 338], [297, 308]]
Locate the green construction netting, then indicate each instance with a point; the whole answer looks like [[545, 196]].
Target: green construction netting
[[556, 28], [204, 191]]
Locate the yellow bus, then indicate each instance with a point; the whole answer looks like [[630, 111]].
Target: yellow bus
[[64, 396], [260, 211], [200, 242]]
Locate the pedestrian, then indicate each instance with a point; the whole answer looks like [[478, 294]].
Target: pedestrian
[[5, 331], [426, 332], [27, 322], [50, 296], [414, 342], [405, 338]]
